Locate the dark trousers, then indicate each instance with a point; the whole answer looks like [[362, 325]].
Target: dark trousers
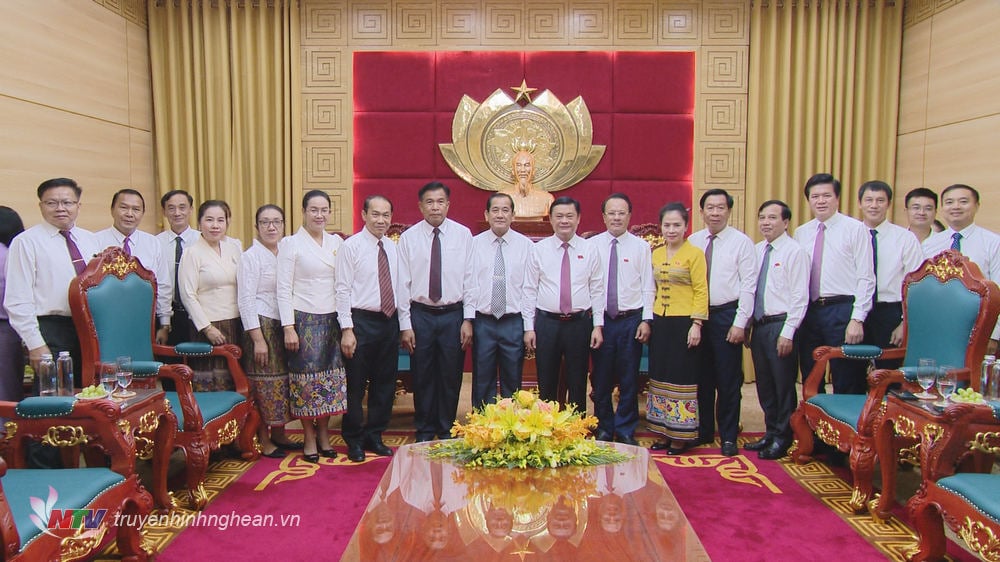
[[180, 327], [437, 371], [882, 320], [825, 325], [374, 368], [497, 355], [722, 375], [617, 360], [775, 380], [60, 335], [559, 342]]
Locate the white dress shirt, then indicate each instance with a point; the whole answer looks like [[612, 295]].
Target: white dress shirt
[[39, 271], [149, 251], [167, 240], [256, 284], [207, 282], [479, 274], [899, 253], [979, 245], [357, 275], [636, 286], [541, 282], [786, 289], [847, 260], [415, 266], [307, 275], [734, 269]]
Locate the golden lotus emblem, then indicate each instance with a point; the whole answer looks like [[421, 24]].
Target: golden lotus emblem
[[487, 136]]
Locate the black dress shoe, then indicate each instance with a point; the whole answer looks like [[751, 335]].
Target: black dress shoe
[[420, 438], [603, 436], [760, 444], [774, 451], [328, 453], [685, 446], [311, 457], [729, 449], [627, 440], [355, 453], [289, 446], [659, 446], [378, 448], [277, 453]]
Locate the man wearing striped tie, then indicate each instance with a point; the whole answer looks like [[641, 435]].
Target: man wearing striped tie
[[127, 210], [959, 204], [367, 270], [495, 282]]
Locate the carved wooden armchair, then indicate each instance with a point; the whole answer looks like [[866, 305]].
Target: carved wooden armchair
[[37, 517], [113, 310], [404, 378], [652, 234], [969, 503], [949, 309]]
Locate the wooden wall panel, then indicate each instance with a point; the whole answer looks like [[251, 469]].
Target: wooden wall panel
[[914, 74]]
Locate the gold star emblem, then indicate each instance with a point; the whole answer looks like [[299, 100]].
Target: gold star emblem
[[523, 91]]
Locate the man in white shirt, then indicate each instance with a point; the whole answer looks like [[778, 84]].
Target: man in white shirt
[[495, 281], [732, 278], [960, 203], [177, 206], [367, 268], [896, 252], [564, 304], [780, 300], [127, 210], [921, 208], [42, 262], [433, 259], [841, 283], [630, 291]]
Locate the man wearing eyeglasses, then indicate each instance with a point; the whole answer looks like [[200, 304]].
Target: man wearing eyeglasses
[[42, 262], [127, 210]]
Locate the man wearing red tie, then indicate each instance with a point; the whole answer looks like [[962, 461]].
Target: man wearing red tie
[[43, 260], [564, 304]]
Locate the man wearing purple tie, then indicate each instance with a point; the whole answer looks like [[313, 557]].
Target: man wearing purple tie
[[42, 262], [841, 283]]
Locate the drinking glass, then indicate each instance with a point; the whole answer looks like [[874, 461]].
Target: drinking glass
[[109, 380], [926, 375], [946, 383], [123, 372]]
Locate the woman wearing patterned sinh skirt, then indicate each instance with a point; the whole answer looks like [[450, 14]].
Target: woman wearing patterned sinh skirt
[[317, 385], [263, 339], [674, 351]]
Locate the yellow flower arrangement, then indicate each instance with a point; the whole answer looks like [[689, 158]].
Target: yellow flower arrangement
[[524, 431]]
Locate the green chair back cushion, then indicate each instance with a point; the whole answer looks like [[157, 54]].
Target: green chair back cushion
[[980, 490], [212, 404], [841, 407], [122, 310], [75, 489], [939, 320]]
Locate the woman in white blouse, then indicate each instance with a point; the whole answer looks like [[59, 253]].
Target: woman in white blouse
[[317, 385], [207, 279], [263, 340]]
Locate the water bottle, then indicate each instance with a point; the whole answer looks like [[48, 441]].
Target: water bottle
[[986, 376], [48, 379], [64, 368]]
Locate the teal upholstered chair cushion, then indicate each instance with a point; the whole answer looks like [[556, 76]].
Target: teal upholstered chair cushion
[[45, 406], [403, 362], [120, 308], [860, 351], [211, 404], [980, 490], [842, 407], [193, 348], [75, 488], [939, 320], [146, 368]]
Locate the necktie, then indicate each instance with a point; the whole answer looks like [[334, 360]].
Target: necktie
[[127, 246], [434, 290], [708, 258], [498, 304], [386, 296], [875, 263], [758, 300], [613, 280], [178, 250], [956, 241], [565, 289], [817, 263], [74, 252]]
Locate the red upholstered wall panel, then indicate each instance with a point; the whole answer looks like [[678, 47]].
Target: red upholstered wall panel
[[641, 104]]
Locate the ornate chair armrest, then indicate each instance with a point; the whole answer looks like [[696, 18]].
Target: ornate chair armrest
[[942, 449], [182, 375], [822, 354], [8, 532], [230, 352]]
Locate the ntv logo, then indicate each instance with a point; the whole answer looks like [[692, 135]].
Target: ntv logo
[[46, 518]]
